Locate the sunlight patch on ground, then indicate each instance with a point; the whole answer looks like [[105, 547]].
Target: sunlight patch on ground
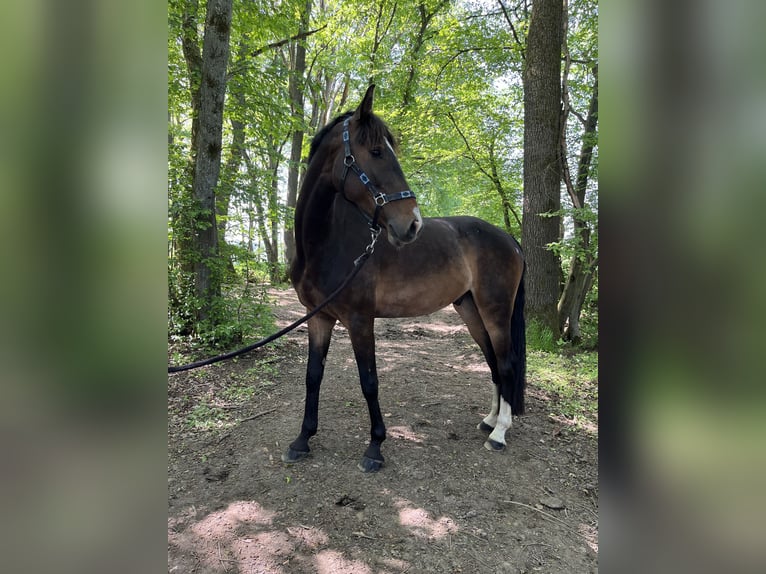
[[590, 534], [241, 538], [405, 433], [577, 421], [333, 562], [225, 521], [420, 523]]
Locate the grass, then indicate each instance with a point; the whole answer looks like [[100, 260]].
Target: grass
[[570, 383], [206, 417], [219, 407]]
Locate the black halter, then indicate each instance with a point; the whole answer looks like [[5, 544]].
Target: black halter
[[378, 196]]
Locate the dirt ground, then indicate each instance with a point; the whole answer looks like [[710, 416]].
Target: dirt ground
[[442, 503]]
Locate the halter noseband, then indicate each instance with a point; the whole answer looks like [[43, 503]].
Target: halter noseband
[[378, 196]]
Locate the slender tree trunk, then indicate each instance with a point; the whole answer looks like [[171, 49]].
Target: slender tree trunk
[[542, 171], [215, 56], [235, 159], [417, 47], [272, 254], [505, 200], [582, 266], [296, 88]]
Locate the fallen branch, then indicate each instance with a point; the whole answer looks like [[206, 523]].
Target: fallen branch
[[545, 514], [257, 415]]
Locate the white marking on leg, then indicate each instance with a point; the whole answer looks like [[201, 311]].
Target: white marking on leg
[[491, 418], [503, 423]]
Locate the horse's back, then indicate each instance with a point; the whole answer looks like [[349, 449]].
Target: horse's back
[[476, 233]]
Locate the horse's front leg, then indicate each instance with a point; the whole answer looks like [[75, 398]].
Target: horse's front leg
[[320, 332], [362, 336]]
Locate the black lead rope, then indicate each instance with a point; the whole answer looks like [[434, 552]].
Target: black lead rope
[[358, 262]]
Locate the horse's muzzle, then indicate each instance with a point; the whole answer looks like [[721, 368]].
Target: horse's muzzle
[[406, 231]]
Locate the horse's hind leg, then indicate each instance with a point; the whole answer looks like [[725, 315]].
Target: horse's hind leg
[[320, 332], [497, 321], [466, 308]]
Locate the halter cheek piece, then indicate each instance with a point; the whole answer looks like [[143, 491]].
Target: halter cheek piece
[[378, 196]]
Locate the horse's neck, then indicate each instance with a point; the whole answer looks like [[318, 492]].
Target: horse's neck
[[327, 226]]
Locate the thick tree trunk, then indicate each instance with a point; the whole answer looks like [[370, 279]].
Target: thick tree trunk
[[182, 218], [296, 88], [193, 58], [215, 56], [542, 171]]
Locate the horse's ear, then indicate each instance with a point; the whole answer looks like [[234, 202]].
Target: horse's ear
[[365, 108]]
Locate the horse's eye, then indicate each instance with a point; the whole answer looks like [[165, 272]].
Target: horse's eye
[[376, 152]]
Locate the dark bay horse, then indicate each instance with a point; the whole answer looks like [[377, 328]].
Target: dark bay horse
[[353, 184]]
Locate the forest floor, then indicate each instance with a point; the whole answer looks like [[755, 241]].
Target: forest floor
[[441, 503]]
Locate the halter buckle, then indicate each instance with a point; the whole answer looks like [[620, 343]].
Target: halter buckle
[[380, 199], [349, 160]]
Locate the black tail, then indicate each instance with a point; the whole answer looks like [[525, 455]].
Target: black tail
[[518, 350]]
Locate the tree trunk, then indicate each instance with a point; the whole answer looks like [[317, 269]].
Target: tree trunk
[[542, 171], [193, 57], [183, 217], [272, 254], [234, 162], [417, 47], [505, 200], [296, 84], [582, 266], [215, 56]]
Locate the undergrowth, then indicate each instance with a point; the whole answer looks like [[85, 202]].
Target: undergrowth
[[570, 383]]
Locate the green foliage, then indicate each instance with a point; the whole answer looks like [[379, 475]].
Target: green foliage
[[541, 338], [205, 417]]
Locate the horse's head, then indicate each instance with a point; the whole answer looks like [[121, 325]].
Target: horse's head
[[371, 175]]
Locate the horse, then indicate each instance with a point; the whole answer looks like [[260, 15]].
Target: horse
[[424, 265]]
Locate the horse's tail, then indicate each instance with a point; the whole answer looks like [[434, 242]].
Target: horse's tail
[[518, 350]]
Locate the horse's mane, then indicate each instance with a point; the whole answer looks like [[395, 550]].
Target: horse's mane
[[371, 130]]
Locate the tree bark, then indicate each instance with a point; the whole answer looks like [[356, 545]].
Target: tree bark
[[542, 170], [193, 58], [582, 266], [182, 216], [215, 56], [296, 88]]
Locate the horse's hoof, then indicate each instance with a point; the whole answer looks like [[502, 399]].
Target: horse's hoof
[[482, 426], [369, 465], [292, 456], [493, 445]]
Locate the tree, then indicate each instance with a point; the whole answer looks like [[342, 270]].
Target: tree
[[542, 169], [584, 262], [296, 87], [579, 141], [215, 57]]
